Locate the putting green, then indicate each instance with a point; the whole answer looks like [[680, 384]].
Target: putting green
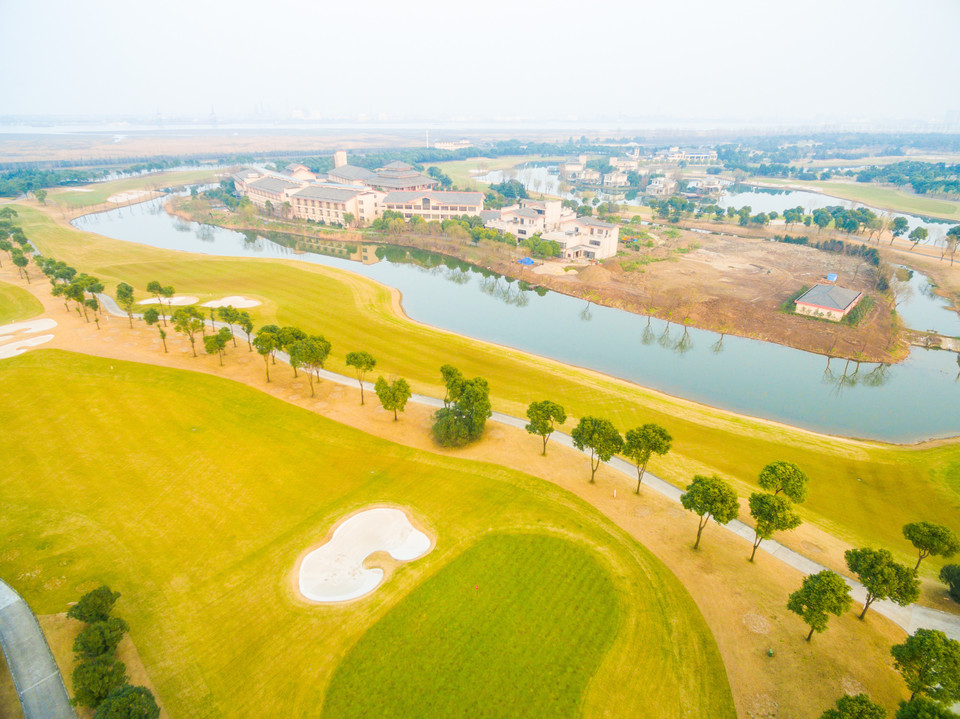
[[17, 304], [194, 496], [514, 627]]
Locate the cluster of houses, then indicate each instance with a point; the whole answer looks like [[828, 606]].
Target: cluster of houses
[[575, 170], [348, 195]]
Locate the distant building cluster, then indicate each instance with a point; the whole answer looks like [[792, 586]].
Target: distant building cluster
[[348, 190]]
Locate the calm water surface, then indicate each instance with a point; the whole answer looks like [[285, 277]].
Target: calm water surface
[[915, 400]]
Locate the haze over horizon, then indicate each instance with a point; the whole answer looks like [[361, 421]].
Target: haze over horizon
[[742, 62]]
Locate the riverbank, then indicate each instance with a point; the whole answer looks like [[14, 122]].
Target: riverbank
[[715, 288]]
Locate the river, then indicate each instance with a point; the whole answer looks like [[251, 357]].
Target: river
[[911, 401]]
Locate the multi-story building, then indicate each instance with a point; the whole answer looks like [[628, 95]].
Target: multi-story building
[[661, 186], [433, 205], [586, 238], [401, 176], [299, 172], [454, 145], [331, 205], [270, 188], [572, 168], [528, 218], [615, 179]]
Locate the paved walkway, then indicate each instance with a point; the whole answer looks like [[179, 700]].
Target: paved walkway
[[910, 618], [35, 673]]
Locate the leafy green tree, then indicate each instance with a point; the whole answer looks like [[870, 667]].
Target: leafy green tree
[[152, 317], [100, 638], [771, 513], [310, 353], [600, 437], [217, 343], [246, 324], [543, 415], [393, 396], [642, 443], [784, 477], [128, 703], [159, 292], [918, 235], [950, 575], [929, 662], [710, 497], [931, 539], [466, 417], [188, 321], [230, 315], [94, 606], [94, 679], [899, 226], [453, 380], [266, 344], [882, 577], [20, 261], [41, 195], [362, 362], [922, 707], [124, 295], [855, 707], [821, 594]]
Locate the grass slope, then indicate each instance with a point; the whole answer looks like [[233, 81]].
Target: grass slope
[[17, 304], [100, 191], [477, 638], [852, 483], [193, 496]]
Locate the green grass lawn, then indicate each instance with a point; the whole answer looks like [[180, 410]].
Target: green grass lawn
[[459, 170], [194, 496], [852, 484], [17, 304], [883, 197], [100, 191], [477, 638]]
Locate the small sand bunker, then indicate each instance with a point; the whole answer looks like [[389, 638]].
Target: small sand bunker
[[128, 196], [11, 349], [334, 572], [237, 301], [44, 323], [184, 300]]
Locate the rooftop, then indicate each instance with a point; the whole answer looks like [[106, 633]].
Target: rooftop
[[328, 194], [590, 222], [273, 184], [352, 172], [411, 181], [829, 296]]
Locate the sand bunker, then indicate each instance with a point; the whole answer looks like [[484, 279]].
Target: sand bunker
[[334, 572], [44, 323], [128, 196], [12, 349], [237, 301], [185, 300]]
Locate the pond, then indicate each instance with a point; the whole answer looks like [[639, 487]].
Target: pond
[[914, 400]]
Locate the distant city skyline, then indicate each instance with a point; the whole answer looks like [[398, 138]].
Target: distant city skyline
[[881, 64]]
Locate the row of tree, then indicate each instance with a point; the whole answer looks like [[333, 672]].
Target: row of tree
[[99, 678]]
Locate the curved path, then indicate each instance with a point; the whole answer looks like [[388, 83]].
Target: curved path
[[35, 673], [910, 618]]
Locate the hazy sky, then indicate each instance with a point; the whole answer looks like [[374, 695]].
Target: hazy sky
[[784, 61]]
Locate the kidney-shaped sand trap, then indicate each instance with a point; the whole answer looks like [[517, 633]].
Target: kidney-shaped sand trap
[[335, 571], [11, 349], [236, 301]]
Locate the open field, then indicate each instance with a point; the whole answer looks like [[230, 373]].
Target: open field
[[194, 496], [98, 193], [853, 482], [886, 198], [878, 160], [17, 304]]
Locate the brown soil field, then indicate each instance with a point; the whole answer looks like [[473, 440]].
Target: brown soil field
[[743, 603]]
